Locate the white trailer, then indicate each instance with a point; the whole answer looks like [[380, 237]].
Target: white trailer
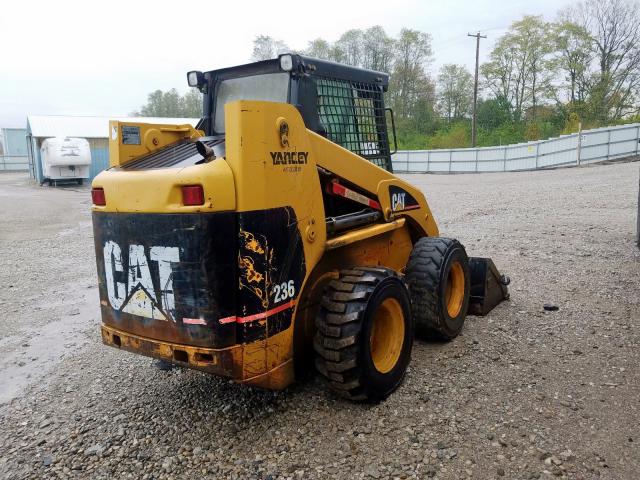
[[65, 159]]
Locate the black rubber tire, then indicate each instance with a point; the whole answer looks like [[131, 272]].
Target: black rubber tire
[[344, 323], [427, 274]]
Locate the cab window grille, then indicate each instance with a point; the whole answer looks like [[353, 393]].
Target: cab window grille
[[353, 116]]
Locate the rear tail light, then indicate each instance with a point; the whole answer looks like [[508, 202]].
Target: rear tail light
[[192, 195], [97, 195]]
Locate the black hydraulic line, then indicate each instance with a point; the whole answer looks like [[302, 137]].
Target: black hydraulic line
[[350, 220]]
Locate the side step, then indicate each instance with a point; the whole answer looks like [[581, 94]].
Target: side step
[[488, 286]]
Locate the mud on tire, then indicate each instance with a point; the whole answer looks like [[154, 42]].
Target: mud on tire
[[364, 333]]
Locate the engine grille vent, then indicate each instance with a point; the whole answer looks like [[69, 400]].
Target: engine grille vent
[[170, 156]]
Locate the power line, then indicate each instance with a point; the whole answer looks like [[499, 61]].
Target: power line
[[475, 87], [504, 27], [439, 43]]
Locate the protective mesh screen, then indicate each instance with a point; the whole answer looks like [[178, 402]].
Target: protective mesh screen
[[353, 116]]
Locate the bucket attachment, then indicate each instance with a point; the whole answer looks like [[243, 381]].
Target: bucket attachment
[[488, 286]]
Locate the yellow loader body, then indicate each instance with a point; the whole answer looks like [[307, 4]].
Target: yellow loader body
[[275, 233], [261, 174]]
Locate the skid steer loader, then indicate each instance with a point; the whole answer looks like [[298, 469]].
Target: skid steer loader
[[275, 232]]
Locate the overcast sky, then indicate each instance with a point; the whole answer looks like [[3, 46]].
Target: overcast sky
[[103, 58]]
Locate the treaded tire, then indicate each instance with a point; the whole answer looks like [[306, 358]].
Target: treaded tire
[[343, 340], [427, 275]]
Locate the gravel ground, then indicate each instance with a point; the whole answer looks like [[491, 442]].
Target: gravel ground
[[521, 394]]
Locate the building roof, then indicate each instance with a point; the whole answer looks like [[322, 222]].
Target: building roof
[[88, 127]]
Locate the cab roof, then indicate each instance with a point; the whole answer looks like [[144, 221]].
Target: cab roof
[[303, 65]]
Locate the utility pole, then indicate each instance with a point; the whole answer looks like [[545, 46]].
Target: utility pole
[[475, 88]]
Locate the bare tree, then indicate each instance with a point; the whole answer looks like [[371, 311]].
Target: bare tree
[[266, 47], [573, 57], [615, 36], [172, 104], [519, 69], [410, 82], [499, 73], [337, 54], [350, 46], [377, 49], [319, 48], [504, 74], [532, 34], [455, 91], [411, 93]]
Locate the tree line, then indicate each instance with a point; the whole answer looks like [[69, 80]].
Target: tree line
[[172, 104], [542, 78]]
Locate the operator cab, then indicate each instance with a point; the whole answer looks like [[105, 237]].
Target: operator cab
[[342, 103]]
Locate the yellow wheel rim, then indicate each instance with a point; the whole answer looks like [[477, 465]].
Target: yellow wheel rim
[[454, 293], [387, 335]]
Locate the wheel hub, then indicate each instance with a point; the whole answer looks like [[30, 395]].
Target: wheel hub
[[387, 335], [454, 292]]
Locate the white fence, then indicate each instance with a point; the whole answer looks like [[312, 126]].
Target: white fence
[[14, 162], [590, 146], [14, 148]]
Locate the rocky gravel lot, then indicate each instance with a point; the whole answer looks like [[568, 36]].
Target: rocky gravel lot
[[521, 394]]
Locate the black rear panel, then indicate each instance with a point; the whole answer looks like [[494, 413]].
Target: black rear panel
[[205, 279], [271, 271], [168, 276]]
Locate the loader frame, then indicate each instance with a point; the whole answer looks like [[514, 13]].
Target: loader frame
[[294, 192]]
